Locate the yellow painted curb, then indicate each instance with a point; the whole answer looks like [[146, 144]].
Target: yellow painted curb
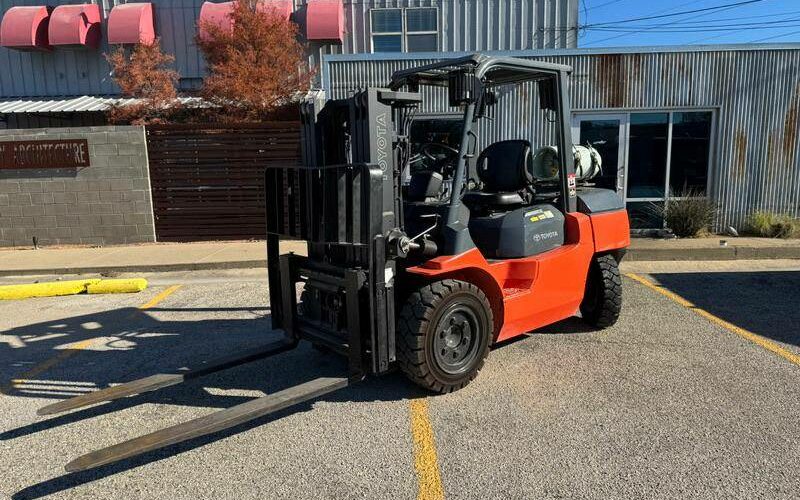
[[73, 287], [118, 286], [56, 288]]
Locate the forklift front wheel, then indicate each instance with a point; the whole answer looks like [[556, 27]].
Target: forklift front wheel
[[443, 335]]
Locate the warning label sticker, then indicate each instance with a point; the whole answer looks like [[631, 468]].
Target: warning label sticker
[[572, 185], [539, 214]]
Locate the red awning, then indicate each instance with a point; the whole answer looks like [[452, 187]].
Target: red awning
[[215, 14], [283, 7], [131, 23], [75, 25], [219, 14], [325, 20], [25, 28]]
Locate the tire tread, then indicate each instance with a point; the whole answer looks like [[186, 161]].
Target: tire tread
[[415, 317]]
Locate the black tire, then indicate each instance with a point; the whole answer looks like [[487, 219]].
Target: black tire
[[602, 300], [443, 335]]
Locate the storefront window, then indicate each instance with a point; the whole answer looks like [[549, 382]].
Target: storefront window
[[603, 135], [647, 163], [660, 155], [691, 145]]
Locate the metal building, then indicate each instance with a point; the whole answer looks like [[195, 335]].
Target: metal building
[[716, 119]]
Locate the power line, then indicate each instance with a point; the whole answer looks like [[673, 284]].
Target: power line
[[733, 33], [786, 23], [593, 7], [774, 37], [719, 9], [726, 6], [739, 18], [653, 13], [701, 30], [693, 25]]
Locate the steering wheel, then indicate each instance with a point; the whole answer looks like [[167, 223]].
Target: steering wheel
[[426, 151]]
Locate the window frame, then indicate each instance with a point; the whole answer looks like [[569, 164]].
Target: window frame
[[373, 33], [404, 33]]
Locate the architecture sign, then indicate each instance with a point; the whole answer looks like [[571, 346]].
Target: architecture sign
[[67, 153]]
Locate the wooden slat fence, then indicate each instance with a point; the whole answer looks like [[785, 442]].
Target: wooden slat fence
[[208, 180]]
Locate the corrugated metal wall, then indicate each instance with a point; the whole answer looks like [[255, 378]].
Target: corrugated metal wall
[[755, 90], [470, 24], [465, 25]]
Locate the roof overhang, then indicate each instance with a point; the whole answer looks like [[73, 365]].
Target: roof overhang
[[325, 21], [75, 26], [80, 104], [131, 23], [25, 28]]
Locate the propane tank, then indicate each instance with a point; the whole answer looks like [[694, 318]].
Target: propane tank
[[588, 163]]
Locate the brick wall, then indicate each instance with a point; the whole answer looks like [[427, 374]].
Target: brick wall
[[106, 203]]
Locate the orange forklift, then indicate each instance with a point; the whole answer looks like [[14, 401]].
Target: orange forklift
[[423, 250]]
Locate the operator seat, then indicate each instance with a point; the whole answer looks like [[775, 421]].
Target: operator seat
[[505, 169]]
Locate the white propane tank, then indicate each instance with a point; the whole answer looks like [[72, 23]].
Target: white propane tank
[[588, 163]]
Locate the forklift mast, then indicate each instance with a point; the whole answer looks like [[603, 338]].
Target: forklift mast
[[345, 201]]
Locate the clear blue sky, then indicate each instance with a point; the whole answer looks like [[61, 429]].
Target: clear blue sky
[[764, 21]]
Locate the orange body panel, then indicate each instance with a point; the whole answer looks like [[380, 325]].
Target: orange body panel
[[533, 292], [611, 230]]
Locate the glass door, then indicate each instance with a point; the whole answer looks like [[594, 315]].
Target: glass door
[[605, 133]]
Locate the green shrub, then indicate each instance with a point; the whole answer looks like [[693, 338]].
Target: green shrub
[[770, 225], [689, 216]]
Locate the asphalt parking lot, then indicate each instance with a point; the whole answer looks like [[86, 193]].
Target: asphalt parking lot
[[674, 401]]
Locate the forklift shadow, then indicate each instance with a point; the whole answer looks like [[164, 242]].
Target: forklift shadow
[[764, 302], [130, 343]]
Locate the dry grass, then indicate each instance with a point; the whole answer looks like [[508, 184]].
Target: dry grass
[[690, 216], [770, 225]]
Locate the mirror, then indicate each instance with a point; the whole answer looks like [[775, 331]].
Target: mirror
[[487, 102], [460, 87], [548, 98]]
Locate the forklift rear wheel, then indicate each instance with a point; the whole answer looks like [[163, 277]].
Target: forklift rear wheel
[[443, 335], [603, 299]]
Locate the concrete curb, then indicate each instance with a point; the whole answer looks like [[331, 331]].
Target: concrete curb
[[636, 254], [72, 287], [143, 268], [720, 253]]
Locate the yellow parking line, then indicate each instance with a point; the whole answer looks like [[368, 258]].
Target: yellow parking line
[[425, 461], [161, 296], [74, 349], [745, 334]]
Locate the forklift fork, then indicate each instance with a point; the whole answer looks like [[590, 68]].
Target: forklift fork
[[209, 424]]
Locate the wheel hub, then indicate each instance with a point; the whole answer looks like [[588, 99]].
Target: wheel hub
[[454, 344]]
